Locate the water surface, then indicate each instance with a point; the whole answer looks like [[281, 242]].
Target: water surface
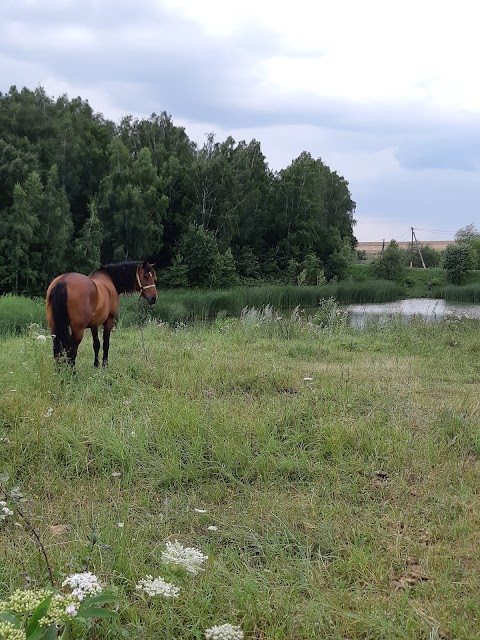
[[431, 309]]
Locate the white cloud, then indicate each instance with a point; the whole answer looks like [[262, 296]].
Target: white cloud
[[371, 51], [382, 91]]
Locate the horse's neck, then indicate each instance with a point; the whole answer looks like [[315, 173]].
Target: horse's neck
[[104, 278]]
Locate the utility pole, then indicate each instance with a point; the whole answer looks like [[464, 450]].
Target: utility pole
[[411, 250], [418, 247]]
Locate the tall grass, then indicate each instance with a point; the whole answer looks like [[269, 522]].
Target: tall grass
[[368, 291], [467, 293], [186, 305], [18, 312]]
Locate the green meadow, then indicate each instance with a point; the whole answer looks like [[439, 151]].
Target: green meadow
[[339, 469]]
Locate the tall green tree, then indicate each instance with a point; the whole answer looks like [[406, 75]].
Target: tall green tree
[[132, 205], [173, 156], [299, 217], [87, 245], [51, 246], [312, 213], [231, 184], [15, 165], [200, 253], [18, 226]]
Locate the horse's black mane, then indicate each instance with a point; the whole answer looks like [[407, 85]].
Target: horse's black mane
[[122, 275]]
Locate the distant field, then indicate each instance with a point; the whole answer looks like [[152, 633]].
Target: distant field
[[376, 247]]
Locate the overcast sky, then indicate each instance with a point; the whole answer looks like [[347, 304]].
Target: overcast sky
[[386, 92]]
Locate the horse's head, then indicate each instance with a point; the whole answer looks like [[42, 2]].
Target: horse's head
[[146, 282]]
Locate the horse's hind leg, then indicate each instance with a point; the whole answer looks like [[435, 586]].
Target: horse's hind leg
[[77, 337], [96, 345]]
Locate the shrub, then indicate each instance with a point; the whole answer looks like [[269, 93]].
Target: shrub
[[389, 266], [457, 262]]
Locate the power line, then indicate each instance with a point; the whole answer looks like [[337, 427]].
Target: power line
[[435, 231], [403, 235]]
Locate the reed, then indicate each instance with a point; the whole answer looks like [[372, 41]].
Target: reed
[[368, 291], [467, 293]]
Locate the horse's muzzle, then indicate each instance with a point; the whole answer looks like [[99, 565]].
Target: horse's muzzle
[[151, 299]]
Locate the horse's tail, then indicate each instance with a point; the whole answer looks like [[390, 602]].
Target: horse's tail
[[61, 322]]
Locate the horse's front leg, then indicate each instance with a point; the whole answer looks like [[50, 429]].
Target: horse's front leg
[[96, 345], [107, 328]]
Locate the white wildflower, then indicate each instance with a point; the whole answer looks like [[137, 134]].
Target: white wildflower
[[189, 558], [120, 525], [82, 584], [49, 412], [41, 337], [158, 587], [71, 610], [6, 511], [308, 379], [224, 632], [133, 433], [116, 474], [201, 510], [3, 503], [212, 527]]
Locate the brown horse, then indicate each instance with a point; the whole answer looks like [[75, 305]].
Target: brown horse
[[76, 302]]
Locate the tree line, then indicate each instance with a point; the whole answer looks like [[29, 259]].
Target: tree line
[[78, 190]]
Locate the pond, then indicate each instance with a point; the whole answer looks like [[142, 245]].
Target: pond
[[427, 308]]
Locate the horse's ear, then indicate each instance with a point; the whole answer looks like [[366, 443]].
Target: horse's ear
[[152, 266], [145, 264]]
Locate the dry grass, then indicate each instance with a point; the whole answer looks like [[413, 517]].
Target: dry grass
[[374, 248]]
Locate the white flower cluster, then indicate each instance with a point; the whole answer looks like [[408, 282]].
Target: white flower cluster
[[158, 587], [82, 584], [9, 632], [71, 610], [63, 607], [189, 558], [224, 632], [24, 601], [5, 511]]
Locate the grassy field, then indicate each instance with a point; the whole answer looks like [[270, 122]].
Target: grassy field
[[341, 469]]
